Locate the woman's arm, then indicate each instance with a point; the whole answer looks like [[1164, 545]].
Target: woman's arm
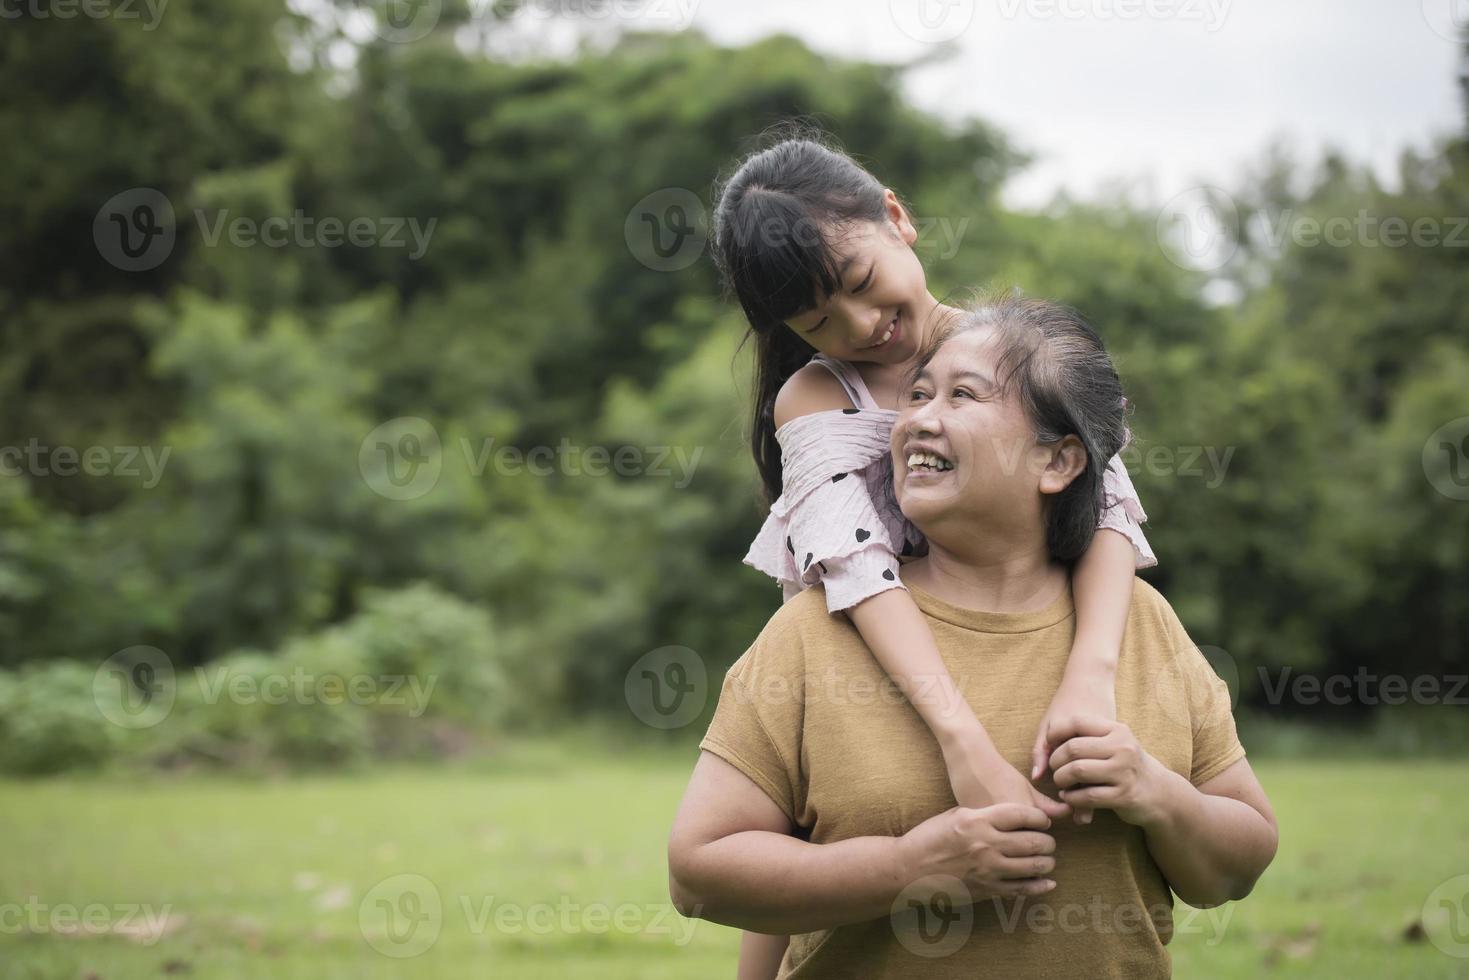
[[1212, 842], [898, 634], [733, 860]]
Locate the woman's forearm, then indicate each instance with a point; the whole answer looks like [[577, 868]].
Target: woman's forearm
[[775, 883], [1212, 849], [1102, 590]]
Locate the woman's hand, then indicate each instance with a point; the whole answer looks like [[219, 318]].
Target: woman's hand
[[1083, 693], [1101, 763], [980, 776], [1001, 850]]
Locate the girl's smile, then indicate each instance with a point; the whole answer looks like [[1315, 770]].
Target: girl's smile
[[889, 338]]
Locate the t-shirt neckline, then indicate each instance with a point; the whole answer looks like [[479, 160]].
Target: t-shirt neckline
[[984, 621]]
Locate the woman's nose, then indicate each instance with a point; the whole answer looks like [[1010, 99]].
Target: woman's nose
[[926, 419]]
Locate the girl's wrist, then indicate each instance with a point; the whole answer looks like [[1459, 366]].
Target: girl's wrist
[[968, 737], [1089, 663]]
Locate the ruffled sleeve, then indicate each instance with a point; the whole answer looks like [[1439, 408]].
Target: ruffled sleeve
[[1122, 511], [836, 521]]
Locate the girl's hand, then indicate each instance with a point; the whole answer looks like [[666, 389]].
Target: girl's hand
[[980, 776], [1081, 694]]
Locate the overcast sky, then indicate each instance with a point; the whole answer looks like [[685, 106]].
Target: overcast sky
[[1164, 94]]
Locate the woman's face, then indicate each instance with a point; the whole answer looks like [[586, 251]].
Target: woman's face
[[964, 452], [875, 314]]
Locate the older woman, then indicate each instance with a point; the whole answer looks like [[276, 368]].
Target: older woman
[[819, 806]]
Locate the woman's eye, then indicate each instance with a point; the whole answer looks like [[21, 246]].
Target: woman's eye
[[914, 395], [964, 391]]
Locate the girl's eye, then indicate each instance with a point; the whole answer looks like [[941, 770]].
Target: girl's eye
[[866, 281]]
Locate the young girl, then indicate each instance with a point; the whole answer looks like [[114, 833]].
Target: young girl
[[819, 255]]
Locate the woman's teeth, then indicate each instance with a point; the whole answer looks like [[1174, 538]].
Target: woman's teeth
[[928, 461]]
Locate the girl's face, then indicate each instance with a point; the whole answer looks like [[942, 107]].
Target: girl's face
[[876, 313]]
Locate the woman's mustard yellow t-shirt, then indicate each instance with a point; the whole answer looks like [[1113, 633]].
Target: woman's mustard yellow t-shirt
[[809, 715]]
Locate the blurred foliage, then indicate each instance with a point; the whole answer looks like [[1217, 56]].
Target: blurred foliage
[[528, 321]]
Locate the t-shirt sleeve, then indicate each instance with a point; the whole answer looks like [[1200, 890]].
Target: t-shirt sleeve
[[1216, 742], [757, 723]]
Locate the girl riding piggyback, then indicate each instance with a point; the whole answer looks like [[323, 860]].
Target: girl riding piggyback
[[819, 255]]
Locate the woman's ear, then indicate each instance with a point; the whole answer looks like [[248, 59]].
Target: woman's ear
[[898, 215], [1067, 461]]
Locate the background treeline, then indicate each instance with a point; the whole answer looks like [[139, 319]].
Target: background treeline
[[529, 321]]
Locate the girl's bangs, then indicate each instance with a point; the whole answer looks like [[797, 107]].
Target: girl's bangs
[[781, 262]]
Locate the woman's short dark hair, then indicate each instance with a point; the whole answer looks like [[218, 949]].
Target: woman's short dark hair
[[1059, 370]]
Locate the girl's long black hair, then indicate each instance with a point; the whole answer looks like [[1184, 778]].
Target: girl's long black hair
[[774, 227]]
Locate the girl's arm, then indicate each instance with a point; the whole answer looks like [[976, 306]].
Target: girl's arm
[[1101, 585], [899, 636], [760, 955]]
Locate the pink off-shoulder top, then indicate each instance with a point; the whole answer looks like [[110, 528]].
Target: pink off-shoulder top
[[837, 519]]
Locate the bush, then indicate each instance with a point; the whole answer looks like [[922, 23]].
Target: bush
[[50, 722], [417, 672]]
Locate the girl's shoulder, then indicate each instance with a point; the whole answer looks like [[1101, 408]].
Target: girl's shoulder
[[813, 388]]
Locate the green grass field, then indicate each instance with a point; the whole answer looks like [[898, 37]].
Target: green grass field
[[550, 863]]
